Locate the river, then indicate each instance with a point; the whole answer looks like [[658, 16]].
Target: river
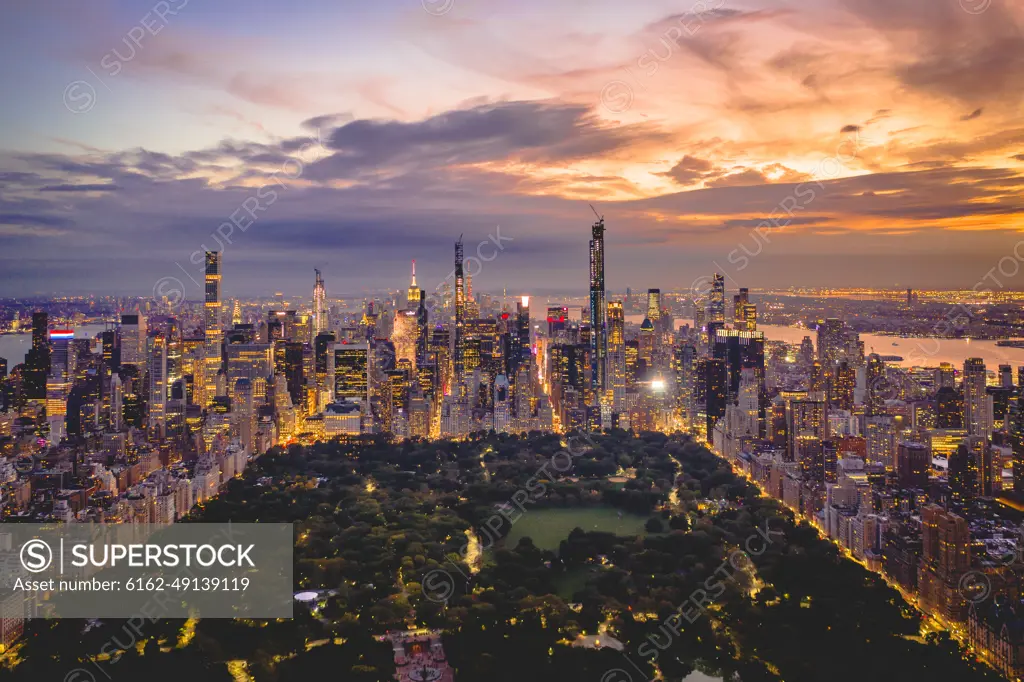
[[916, 352], [14, 346]]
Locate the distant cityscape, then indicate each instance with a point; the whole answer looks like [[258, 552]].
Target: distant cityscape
[[909, 455]]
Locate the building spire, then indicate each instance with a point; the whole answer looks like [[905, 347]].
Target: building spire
[[319, 304], [412, 296]]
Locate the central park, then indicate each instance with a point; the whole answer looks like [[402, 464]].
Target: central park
[[647, 549]]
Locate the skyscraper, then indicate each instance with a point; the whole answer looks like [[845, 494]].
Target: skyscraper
[[158, 386], [212, 326], [599, 335], [743, 350], [913, 464], [133, 339], [654, 306], [977, 420], [714, 387], [62, 371], [243, 413], [945, 558], [37, 360], [422, 329], [412, 296], [502, 404], [558, 317], [716, 302], [351, 371], [616, 364], [828, 341], [460, 316], [739, 302], [876, 383], [523, 331], [320, 323], [116, 402], [805, 416]]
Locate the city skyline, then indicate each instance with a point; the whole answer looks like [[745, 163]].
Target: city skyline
[[573, 340], [134, 141]]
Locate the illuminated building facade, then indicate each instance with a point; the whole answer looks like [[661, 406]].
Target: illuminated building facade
[[977, 419], [320, 321], [351, 371], [213, 320], [599, 337], [460, 317], [716, 300]]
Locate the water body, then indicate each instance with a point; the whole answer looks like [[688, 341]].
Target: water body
[[916, 352], [920, 352], [14, 346]]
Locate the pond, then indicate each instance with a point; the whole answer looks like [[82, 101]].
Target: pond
[[548, 527]]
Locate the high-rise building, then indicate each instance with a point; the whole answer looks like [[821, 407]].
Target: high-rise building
[[945, 376], [351, 371], [949, 408], [158, 385], [810, 454], [243, 413], [282, 325], [412, 296], [133, 339], [460, 318], [422, 330], [714, 391], [1015, 430], [599, 337], [62, 373], [716, 300], [116, 402], [212, 326], [523, 330], [654, 306], [806, 415], [502, 404], [405, 334], [739, 303], [977, 419], [615, 366], [913, 464], [1006, 376], [750, 316], [288, 362], [111, 344], [945, 558], [739, 349], [844, 386], [558, 318], [62, 355], [743, 350], [37, 360], [831, 339], [320, 321], [877, 384]]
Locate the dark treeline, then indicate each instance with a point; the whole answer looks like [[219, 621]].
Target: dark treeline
[[724, 580]]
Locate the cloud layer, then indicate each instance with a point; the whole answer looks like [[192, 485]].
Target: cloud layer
[[850, 129]]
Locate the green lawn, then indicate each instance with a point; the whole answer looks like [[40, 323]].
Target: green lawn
[[548, 527]]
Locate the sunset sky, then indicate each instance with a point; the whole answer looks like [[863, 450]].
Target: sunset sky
[[890, 130]]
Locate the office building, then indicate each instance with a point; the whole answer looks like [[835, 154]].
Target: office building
[[351, 371], [212, 326], [599, 336]]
